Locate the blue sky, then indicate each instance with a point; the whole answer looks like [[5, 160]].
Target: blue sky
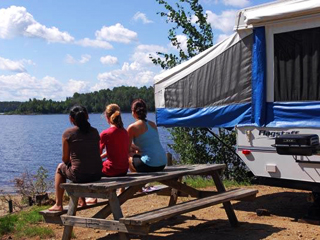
[[53, 48]]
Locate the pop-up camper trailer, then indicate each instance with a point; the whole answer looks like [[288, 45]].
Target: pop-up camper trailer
[[264, 80]]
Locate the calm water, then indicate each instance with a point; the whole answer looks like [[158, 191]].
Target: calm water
[[28, 142]]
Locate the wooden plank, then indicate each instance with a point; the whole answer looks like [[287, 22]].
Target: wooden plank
[[110, 225], [167, 212], [67, 231], [48, 213], [53, 219], [167, 192], [168, 173], [227, 205]]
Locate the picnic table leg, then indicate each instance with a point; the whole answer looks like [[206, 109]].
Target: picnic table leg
[[174, 194], [122, 198], [67, 231], [227, 205], [116, 211]]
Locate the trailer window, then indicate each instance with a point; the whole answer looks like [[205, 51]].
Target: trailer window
[[297, 65]]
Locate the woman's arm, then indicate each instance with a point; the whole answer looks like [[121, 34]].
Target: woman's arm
[[65, 151], [133, 149]]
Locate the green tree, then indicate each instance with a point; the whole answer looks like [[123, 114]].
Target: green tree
[[195, 145], [95, 101], [193, 24]]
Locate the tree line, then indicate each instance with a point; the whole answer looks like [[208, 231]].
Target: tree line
[[95, 102]]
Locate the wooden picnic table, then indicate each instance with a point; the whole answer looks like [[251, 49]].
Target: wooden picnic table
[[133, 182]]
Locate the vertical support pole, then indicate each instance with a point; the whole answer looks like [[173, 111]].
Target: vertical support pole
[[73, 204], [122, 198], [169, 159], [227, 205], [116, 211], [174, 194], [10, 206]]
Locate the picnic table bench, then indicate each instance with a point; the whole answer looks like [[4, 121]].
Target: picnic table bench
[[133, 182]]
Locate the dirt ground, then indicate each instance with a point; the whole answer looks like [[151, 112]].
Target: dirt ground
[[286, 206]]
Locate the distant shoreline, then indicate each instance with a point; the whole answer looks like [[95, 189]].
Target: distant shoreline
[[30, 114]]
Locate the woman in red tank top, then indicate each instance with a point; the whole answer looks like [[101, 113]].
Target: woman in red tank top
[[114, 146], [115, 142]]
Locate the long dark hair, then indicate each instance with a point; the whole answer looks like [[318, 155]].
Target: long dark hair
[[139, 107], [80, 116], [114, 115]]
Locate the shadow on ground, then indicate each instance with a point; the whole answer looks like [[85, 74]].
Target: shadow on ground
[[220, 229], [286, 204]]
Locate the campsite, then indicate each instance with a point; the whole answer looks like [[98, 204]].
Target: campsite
[[262, 82]]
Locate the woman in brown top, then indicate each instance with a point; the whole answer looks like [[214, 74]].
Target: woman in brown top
[[80, 154]]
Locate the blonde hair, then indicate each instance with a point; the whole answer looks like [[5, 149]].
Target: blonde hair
[[113, 114]]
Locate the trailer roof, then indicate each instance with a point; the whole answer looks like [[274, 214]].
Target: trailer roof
[[274, 11]]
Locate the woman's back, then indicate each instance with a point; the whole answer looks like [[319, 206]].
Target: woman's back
[[116, 142], [150, 147], [84, 151]]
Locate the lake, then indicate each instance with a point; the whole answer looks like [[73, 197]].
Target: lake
[[30, 141]]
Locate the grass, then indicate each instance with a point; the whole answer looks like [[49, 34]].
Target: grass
[[25, 224], [203, 182]]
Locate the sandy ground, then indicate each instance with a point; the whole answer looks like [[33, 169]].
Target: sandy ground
[[286, 206]]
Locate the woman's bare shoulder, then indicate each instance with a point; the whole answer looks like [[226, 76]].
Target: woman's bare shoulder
[[133, 126]]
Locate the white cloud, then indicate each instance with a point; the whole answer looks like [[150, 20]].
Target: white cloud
[[71, 60], [76, 86], [236, 3], [116, 33], [141, 16], [84, 58], [224, 22], [14, 66], [9, 65], [142, 54], [182, 39], [86, 42], [22, 86], [222, 37], [16, 21], [126, 76], [137, 73], [109, 60], [209, 2]]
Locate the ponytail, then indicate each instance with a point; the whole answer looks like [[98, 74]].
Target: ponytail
[[139, 107], [80, 116], [113, 114]]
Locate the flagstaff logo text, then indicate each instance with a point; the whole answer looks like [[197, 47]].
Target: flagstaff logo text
[[274, 134]]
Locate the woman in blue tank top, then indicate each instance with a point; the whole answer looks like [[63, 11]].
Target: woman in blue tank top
[[147, 154]]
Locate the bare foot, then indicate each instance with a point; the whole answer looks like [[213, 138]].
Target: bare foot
[[81, 202], [121, 190], [91, 200], [56, 208]]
